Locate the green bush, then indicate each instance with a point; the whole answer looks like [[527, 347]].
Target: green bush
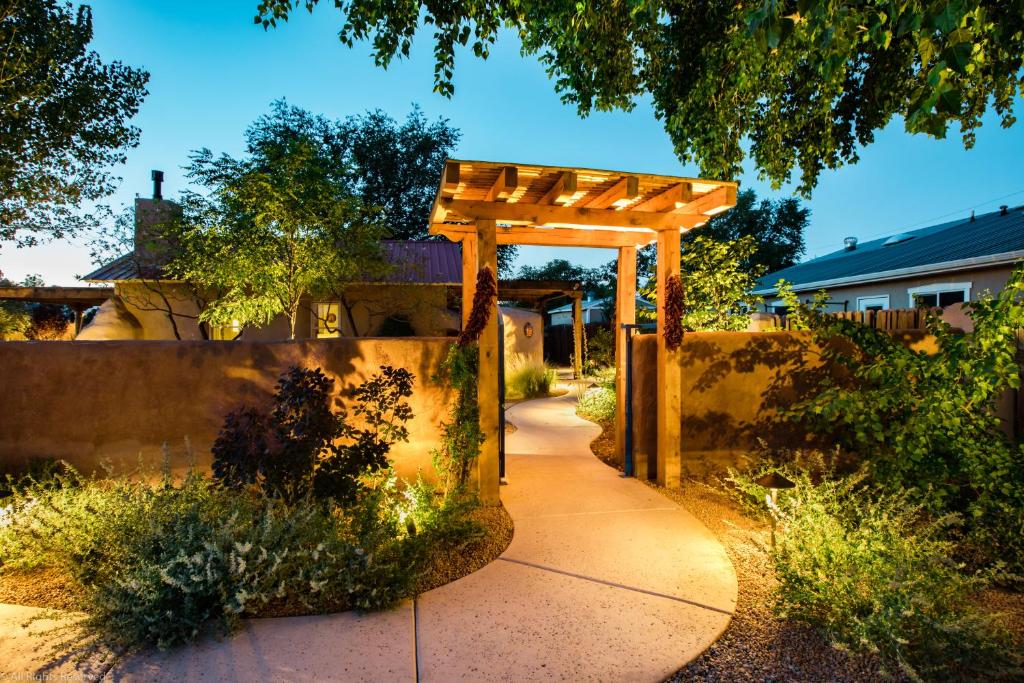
[[157, 565], [527, 378], [875, 572], [600, 350], [597, 404], [303, 447], [926, 423]]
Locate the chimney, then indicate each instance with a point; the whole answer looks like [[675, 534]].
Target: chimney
[[1002, 209], [158, 181], [151, 248], [850, 243]]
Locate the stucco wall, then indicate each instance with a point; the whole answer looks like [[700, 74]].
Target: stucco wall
[[514, 322], [142, 313], [115, 402], [727, 401], [992, 279]]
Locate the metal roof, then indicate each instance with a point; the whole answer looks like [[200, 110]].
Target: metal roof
[[988, 239], [427, 262]]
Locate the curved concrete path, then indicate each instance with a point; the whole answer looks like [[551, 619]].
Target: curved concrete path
[[605, 580]]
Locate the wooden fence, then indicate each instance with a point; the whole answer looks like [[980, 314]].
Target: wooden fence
[[895, 319]]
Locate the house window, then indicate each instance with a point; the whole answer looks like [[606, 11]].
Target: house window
[[939, 295], [226, 332], [328, 323], [873, 303]]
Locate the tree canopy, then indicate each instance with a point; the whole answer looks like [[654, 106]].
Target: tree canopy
[[397, 166], [775, 226], [801, 84], [717, 283], [277, 225], [63, 119]]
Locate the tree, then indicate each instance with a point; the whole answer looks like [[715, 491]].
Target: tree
[[803, 83], [398, 166], [63, 119], [593, 280], [776, 226], [278, 225], [716, 283]]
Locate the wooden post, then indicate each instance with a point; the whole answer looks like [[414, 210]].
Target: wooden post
[[469, 271], [487, 382], [625, 314], [669, 371], [577, 336]]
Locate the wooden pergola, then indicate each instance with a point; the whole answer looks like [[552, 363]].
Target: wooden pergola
[[484, 204], [539, 292]]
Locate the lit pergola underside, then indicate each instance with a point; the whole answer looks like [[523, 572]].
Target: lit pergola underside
[[484, 204], [556, 206]]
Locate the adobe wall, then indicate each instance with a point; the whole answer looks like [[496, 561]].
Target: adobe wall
[[139, 311], [114, 402], [728, 400]]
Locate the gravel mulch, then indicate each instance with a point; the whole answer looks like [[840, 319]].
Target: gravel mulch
[[453, 562]]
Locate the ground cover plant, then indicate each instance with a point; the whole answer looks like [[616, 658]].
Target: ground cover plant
[[597, 403], [317, 522]]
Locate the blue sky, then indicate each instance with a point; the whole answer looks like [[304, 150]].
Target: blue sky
[[213, 71]]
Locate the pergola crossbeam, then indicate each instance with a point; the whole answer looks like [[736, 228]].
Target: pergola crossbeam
[[562, 191], [625, 188]]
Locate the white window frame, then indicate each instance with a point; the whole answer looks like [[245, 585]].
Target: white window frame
[[939, 288], [864, 301]]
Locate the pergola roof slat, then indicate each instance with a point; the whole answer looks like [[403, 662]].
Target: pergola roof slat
[[552, 205]]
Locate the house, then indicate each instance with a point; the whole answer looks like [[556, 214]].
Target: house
[[595, 311], [414, 299], [939, 265]]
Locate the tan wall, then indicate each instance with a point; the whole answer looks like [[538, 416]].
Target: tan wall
[[92, 402], [516, 342], [142, 313], [727, 404], [992, 279]]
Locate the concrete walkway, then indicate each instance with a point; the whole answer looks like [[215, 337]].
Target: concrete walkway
[[605, 580]]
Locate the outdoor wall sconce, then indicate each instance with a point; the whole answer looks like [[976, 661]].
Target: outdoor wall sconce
[[528, 330], [773, 481]]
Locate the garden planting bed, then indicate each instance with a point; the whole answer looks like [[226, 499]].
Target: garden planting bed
[[759, 645], [50, 588]]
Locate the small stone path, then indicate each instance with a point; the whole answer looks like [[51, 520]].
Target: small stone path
[[605, 580]]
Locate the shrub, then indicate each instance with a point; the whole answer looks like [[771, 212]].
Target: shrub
[[600, 350], [598, 404], [927, 423], [874, 572], [292, 452], [161, 564], [527, 378]]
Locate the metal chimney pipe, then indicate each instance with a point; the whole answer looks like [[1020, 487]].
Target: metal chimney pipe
[[158, 180]]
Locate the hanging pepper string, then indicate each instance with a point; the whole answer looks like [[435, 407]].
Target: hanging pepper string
[[675, 303], [480, 313]]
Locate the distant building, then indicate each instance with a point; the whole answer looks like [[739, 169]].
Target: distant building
[[939, 265], [595, 311]]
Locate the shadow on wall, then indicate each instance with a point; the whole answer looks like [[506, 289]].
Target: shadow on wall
[[113, 405], [733, 385]]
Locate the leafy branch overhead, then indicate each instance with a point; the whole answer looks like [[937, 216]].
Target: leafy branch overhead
[[63, 119], [801, 83]]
